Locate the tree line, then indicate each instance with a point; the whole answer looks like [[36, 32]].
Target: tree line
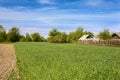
[[55, 36], [14, 35]]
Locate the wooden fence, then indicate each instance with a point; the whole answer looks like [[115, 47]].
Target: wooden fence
[[101, 42]]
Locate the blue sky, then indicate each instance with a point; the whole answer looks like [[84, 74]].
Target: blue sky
[[66, 15]]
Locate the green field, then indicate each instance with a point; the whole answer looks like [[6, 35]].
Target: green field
[[47, 61]]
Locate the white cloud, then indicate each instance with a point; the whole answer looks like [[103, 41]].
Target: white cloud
[[94, 2], [46, 2], [60, 19], [103, 4], [45, 16], [47, 8]]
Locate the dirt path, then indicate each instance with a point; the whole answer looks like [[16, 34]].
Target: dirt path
[[7, 60]]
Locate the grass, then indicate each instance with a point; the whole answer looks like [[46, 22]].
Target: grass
[[6, 42], [47, 61]]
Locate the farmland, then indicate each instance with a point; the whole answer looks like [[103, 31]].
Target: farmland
[[47, 61]]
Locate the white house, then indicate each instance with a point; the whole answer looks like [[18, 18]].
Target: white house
[[88, 38]]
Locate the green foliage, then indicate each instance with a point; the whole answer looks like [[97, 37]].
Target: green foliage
[[28, 38], [53, 32], [48, 61], [71, 37], [36, 37], [2, 34], [13, 35], [105, 35], [22, 38], [12, 75], [56, 36], [79, 32], [88, 32], [62, 37], [74, 36]]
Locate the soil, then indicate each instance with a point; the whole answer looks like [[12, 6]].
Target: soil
[[7, 60]]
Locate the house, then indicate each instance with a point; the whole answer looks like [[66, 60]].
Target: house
[[116, 35], [95, 38], [86, 38]]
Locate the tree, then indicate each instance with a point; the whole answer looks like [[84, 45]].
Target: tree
[[13, 35], [71, 37], [88, 32], [22, 38], [51, 39], [63, 37], [60, 38], [43, 39], [78, 33], [53, 32], [2, 34], [53, 35], [56, 36], [105, 35], [74, 36], [28, 38], [36, 37]]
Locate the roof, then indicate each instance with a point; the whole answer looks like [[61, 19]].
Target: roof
[[84, 37], [118, 34]]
